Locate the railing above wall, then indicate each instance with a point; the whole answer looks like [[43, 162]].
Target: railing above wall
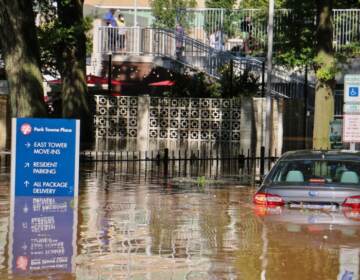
[[202, 22]]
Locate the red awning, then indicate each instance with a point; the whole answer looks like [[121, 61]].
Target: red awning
[[55, 82], [92, 79], [163, 83]]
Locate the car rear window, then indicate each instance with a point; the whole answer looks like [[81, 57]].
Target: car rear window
[[316, 172]]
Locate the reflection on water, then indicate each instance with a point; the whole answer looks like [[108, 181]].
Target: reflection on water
[[132, 226], [42, 235]]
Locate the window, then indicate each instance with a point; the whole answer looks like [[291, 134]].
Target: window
[[309, 172]]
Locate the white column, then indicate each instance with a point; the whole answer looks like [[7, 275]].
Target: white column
[[142, 143]]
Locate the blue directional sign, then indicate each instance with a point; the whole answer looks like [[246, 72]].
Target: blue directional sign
[[43, 235], [45, 157]]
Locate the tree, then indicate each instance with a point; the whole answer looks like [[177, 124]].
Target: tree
[[63, 50], [346, 4], [294, 38], [169, 12], [236, 83], [260, 4], [325, 67], [20, 49], [75, 97], [212, 20], [303, 43]]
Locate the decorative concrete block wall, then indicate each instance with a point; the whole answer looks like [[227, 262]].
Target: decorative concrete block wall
[[116, 117], [149, 123], [195, 119]]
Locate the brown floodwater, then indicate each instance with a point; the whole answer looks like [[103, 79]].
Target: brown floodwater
[[136, 225]]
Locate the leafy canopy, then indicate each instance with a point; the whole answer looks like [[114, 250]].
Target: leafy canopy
[[169, 12]]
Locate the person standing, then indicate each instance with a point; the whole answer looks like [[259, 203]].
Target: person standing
[[179, 37], [109, 18], [120, 21], [110, 22], [212, 40], [219, 44]]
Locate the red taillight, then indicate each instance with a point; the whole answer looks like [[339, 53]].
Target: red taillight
[[268, 199], [352, 202]]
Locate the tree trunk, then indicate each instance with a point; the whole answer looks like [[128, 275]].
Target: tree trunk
[[324, 111], [20, 48], [325, 64], [75, 98]]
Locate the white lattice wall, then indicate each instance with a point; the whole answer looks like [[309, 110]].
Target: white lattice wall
[[165, 120], [195, 119]]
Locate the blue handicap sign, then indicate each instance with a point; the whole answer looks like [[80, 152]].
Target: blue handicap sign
[[45, 157], [353, 91]]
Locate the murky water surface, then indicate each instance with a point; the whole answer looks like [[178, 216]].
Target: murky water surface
[[131, 226]]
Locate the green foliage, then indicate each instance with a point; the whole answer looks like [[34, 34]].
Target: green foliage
[[235, 84], [338, 4], [295, 41], [295, 38], [260, 4], [230, 85], [53, 36], [225, 4], [201, 181], [196, 85], [212, 19], [346, 4], [168, 12], [326, 67], [349, 51]]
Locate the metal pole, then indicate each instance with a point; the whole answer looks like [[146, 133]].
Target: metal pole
[[231, 77], [110, 74], [305, 104], [263, 79], [268, 134], [135, 13]]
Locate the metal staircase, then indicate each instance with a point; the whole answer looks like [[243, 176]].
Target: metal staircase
[[185, 51]]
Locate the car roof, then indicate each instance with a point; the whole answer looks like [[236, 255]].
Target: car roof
[[322, 155]]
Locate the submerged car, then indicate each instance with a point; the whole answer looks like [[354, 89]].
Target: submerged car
[[313, 180]]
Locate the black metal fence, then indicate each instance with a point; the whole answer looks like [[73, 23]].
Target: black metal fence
[[170, 163], [246, 166]]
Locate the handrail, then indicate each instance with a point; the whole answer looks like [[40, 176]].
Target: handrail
[[187, 51]]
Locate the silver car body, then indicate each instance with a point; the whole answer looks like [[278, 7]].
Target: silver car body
[[314, 191]]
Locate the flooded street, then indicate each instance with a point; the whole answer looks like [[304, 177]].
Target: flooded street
[[141, 225]]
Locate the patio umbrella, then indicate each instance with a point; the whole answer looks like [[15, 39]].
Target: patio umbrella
[[166, 83]]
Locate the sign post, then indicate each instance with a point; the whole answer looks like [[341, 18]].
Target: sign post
[[44, 191], [351, 121]]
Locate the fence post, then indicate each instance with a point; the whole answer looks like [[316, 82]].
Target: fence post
[[262, 160], [166, 161], [142, 143], [263, 79]]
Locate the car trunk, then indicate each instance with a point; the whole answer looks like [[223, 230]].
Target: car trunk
[[313, 194]]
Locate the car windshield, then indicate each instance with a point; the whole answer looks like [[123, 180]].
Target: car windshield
[[316, 172]]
